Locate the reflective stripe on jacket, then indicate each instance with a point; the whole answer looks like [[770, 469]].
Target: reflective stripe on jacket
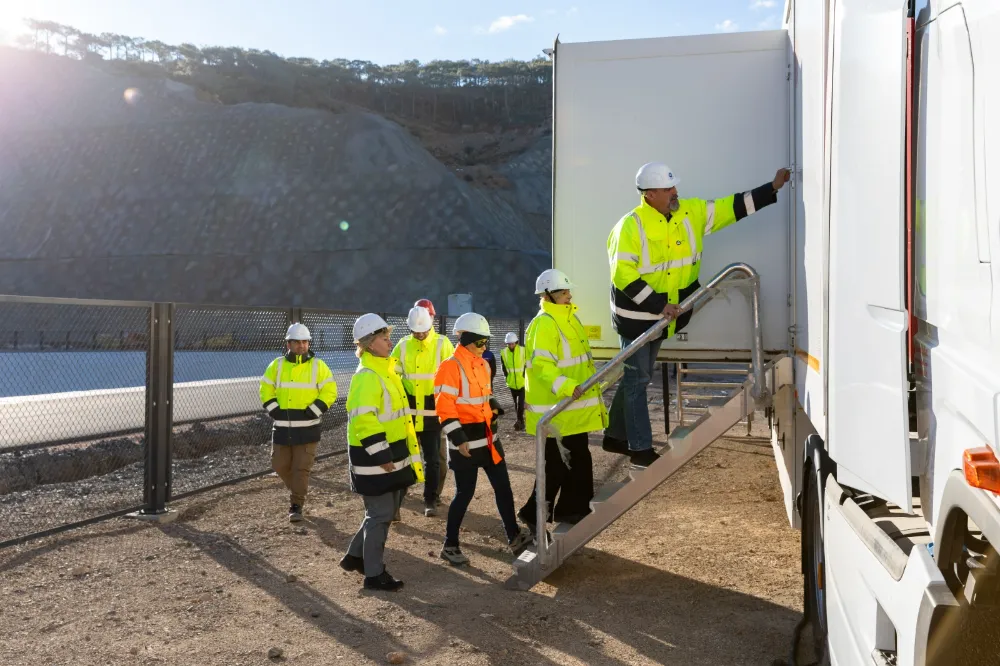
[[417, 362], [379, 430], [559, 360], [513, 366], [296, 391], [465, 407], [655, 261]]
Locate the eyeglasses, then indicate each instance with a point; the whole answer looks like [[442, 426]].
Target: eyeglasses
[[482, 343]]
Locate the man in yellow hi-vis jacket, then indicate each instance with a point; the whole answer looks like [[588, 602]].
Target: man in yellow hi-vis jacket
[[417, 358], [655, 252], [296, 390], [513, 360]]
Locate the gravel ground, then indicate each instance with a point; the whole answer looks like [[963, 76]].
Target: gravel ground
[[703, 571]]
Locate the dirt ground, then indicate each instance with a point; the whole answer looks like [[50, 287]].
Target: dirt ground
[[703, 571]]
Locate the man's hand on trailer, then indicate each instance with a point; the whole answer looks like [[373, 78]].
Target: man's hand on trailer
[[781, 178]]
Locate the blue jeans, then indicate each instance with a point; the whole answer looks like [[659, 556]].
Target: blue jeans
[[628, 417]]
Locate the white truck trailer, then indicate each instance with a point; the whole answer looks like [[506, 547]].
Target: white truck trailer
[[879, 302]]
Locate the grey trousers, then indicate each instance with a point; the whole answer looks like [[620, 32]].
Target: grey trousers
[[369, 542]]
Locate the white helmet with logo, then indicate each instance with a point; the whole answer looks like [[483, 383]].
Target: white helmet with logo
[[654, 176], [509, 338], [298, 331], [419, 320], [472, 323], [552, 279], [367, 324]]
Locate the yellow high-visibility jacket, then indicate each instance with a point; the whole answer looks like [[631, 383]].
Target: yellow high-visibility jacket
[[513, 363], [379, 430], [655, 261], [296, 390], [417, 362], [559, 360]]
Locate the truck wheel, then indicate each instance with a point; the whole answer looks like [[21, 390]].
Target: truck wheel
[[814, 566]]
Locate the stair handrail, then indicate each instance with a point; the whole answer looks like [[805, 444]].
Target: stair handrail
[[757, 390]]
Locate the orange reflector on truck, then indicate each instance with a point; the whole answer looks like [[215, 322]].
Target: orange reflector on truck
[[982, 469]]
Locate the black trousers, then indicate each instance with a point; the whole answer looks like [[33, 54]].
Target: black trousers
[[574, 484], [518, 395], [465, 491]]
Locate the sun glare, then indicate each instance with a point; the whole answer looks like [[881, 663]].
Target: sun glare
[[11, 21]]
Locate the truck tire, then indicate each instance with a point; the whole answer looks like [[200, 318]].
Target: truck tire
[[814, 565]]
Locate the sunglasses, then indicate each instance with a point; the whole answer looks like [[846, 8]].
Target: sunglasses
[[481, 343]]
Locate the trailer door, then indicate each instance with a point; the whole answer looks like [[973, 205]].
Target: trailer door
[[868, 427]]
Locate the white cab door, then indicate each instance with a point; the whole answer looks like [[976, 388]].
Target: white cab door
[[867, 419]]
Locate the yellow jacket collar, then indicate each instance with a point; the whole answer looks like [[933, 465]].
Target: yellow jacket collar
[[431, 337], [557, 311], [645, 209], [383, 366]]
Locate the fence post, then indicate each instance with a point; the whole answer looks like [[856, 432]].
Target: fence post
[[442, 325], [520, 331], [159, 409], [294, 315]]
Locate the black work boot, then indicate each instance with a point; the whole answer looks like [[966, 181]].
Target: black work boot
[[383, 582], [644, 458], [615, 445], [352, 563]]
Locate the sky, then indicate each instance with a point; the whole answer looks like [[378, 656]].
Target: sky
[[390, 31]]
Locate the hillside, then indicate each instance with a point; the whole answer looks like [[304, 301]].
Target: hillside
[[119, 182]]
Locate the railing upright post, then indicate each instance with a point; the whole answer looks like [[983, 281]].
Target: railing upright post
[[159, 409], [665, 372]]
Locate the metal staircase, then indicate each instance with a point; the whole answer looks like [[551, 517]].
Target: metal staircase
[[685, 442]]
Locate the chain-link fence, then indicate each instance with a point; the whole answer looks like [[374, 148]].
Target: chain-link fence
[[220, 432], [77, 385], [72, 411]]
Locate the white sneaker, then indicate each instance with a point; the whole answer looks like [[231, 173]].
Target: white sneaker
[[454, 556]]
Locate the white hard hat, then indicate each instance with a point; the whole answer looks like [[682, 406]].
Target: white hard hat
[[298, 331], [472, 323], [552, 279], [367, 324], [509, 338], [655, 175], [419, 320]]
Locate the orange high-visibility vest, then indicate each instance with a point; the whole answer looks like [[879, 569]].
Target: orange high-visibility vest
[[462, 396]]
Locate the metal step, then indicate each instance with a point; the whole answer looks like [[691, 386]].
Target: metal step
[[613, 500], [605, 493]]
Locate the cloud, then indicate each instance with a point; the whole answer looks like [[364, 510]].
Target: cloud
[[770, 23], [763, 4], [727, 26], [573, 11], [440, 30], [507, 22]]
